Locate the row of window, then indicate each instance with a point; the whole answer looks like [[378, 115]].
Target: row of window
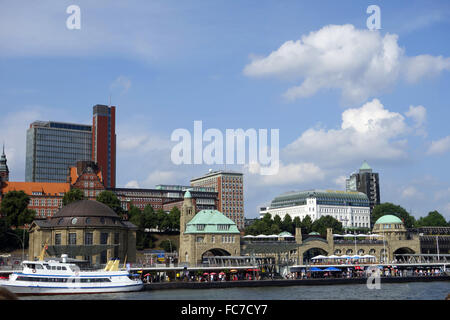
[[88, 238], [70, 280]]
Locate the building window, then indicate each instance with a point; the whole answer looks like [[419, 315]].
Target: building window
[[104, 238], [199, 239], [58, 239], [72, 238], [88, 238]]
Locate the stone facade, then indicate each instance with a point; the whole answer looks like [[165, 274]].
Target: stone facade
[[195, 245], [84, 230]]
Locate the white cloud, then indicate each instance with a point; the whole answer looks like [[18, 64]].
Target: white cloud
[[160, 177], [439, 146], [132, 184], [410, 192], [361, 63], [289, 174], [122, 83], [340, 181], [369, 132], [419, 115]]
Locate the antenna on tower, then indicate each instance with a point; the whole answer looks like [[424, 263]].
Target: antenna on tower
[[109, 101]]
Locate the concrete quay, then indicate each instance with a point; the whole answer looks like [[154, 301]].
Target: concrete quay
[[285, 282]]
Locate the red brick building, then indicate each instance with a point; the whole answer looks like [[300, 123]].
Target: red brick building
[[104, 142]]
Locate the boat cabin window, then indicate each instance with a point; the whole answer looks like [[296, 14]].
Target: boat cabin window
[[34, 266]]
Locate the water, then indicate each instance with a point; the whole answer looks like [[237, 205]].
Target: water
[[388, 291]]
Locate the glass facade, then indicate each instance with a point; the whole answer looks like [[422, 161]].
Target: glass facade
[[53, 147]]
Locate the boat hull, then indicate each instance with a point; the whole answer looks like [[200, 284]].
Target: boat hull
[[43, 290]]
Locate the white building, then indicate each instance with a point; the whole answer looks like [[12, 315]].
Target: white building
[[350, 208]]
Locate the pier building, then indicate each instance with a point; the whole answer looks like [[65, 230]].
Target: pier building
[[87, 230], [205, 234]]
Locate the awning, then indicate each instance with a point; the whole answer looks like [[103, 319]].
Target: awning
[[319, 257], [316, 269], [332, 269]]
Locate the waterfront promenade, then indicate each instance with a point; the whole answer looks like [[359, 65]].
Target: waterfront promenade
[[286, 282]]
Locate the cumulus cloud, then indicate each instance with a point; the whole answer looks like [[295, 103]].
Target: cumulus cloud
[[369, 132], [361, 63], [419, 115], [160, 177], [288, 174], [132, 184], [439, 146]]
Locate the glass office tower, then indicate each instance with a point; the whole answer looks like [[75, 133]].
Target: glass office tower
[[52, 147]]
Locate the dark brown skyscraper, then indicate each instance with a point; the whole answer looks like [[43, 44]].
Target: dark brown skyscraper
[[104, 142], [367, 182]]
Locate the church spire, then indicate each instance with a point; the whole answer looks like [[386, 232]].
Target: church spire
[[4, 171]]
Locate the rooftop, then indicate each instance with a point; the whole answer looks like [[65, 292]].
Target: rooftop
[[211, 221], [388, 219]]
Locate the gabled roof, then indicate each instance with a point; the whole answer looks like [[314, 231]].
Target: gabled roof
[[209, 220], [48, 188]]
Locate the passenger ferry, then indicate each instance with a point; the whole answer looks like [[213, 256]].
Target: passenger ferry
[[60, 277]]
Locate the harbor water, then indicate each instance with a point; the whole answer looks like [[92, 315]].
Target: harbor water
[[388, 291]]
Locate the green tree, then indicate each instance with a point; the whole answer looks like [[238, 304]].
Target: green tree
[[433, 219], [72, 196], [287, 224], [324, 222], [14, 207], [136, 217], [161, 220], [277, 221], [110, 199], [174, 218], [297, 222], [396, 210], [306, 224]]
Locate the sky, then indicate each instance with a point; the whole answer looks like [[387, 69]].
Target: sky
[[338, 92]]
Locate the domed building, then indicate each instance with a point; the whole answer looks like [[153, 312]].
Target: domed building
[[389, 223], [87, 230]]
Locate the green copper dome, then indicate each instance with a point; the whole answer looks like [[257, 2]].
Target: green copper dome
[[365, 166], [187, 195], [388, 219]]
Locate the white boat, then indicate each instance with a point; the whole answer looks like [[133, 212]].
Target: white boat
[[60, 277]]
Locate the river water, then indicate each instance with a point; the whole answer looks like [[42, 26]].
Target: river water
[[389, 291]]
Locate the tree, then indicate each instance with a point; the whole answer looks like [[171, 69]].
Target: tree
[[277, 221], [174, 218], [110, 199], [297, 222], [324, 222], [306, 224], [136, 217], [72, 196], [168, 245], [433, 219], [396, 210], [287, 224], [14, 206]]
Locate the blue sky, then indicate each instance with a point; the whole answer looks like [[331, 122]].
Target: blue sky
[[339, 93]]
